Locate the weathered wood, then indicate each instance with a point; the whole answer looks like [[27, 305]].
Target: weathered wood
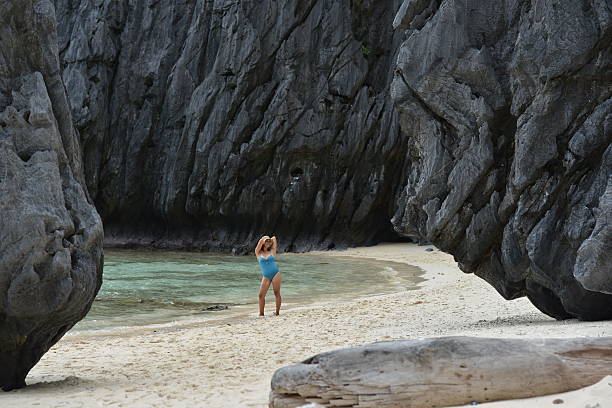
[[442, 372]]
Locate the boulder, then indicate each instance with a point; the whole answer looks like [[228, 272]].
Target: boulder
[[50, 233], [506, 107]]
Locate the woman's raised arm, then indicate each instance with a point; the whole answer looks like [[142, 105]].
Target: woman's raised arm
[[259, 245], [274, 245]]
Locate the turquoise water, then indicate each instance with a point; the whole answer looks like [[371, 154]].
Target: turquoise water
[[145, 288]]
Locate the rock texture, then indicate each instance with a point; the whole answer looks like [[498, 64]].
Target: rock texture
[[50, 235], [481, 126], [208, 123], [484, 127], [507, 109]]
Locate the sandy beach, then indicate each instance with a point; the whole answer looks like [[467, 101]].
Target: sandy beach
[[229, 362]]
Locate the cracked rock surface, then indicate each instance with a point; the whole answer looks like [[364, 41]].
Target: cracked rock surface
[[507, 111], [483, 127], [50, 235], [206, 124]]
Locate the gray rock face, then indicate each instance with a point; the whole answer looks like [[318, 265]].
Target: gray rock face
[[507, 109], [50, 236], [480, 126], [208, 123]]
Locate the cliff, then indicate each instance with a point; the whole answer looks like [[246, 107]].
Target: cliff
[[206, 124], [482, 127]]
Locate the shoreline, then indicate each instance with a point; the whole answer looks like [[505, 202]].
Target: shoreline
[[244, 310], [230, 364]]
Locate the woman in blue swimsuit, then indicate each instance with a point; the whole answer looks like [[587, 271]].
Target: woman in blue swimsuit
[[265, 251]]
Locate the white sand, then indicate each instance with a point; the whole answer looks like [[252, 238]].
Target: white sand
[[229, 363]]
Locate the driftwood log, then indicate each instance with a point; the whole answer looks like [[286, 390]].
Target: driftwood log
[[442, 372]]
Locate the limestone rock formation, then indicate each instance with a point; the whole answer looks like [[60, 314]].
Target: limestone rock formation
[[481, 126], [507, 110], [205, 122], [50, 235], [484, 127], [208, 123]]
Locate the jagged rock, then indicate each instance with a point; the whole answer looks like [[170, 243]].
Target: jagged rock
[[215, 308], [482, 127], [593, 267], [50, 235], [414, 13], [208, 123], [507, 110]]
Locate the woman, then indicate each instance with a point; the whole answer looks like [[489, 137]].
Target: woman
[[265, 251]]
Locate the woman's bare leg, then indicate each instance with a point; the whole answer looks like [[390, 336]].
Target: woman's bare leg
[[276, 285], [263, 289]]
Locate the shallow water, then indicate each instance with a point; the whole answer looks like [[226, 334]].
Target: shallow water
[[145, 288]]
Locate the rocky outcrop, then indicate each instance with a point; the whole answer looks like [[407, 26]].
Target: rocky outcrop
[[208, 123], [50, 235], [483, 127], [507, 109]]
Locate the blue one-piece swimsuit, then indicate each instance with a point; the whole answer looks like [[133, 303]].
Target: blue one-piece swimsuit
[[268, 267]]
